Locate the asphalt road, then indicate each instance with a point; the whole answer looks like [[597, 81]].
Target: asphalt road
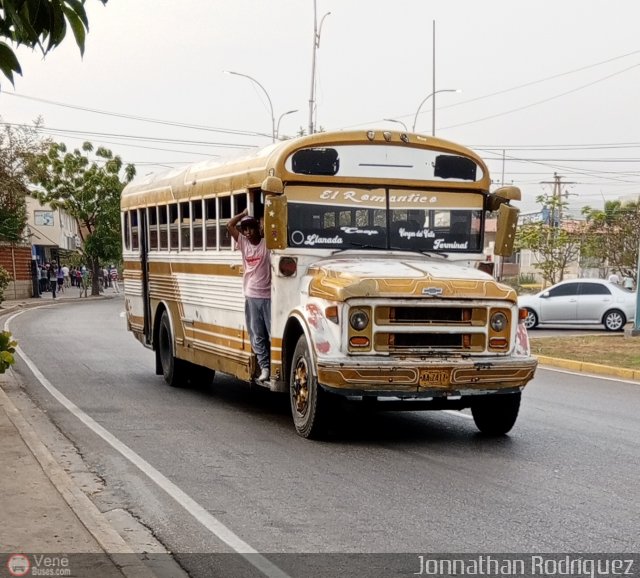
[[221, 468]]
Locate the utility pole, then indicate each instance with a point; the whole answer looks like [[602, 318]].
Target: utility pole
[[317, 30], [433, 81], [556, 198]]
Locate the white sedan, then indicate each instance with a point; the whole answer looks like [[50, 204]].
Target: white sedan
[[584, 301]]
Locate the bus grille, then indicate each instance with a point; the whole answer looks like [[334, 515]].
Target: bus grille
[[430, 329]]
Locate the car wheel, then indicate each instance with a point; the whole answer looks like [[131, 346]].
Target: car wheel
[[495, 415], [531, 320], [614, 320]]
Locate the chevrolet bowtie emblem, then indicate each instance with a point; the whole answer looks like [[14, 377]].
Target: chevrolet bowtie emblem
[[432, 291]]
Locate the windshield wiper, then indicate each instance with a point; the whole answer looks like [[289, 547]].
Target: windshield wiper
[[427, 253], [355, 245], [441, 255]]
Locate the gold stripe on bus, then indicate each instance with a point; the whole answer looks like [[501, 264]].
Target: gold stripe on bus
[[168, 268], [132, 265]]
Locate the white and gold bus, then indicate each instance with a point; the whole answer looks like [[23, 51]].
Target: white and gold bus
[[374, 238]]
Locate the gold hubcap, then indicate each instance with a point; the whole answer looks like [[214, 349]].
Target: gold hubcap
[[300, 391]]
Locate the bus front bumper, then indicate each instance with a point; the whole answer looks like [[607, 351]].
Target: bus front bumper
[[426, 378]]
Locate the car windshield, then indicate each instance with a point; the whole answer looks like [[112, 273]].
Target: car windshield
[[413, 221]]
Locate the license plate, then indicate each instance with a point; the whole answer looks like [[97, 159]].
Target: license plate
[[433, 377]]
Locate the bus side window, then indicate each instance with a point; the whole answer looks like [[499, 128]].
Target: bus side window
[[185, 226], [210, 224], [152, 219], [173, 226], [198, 223], [223, 219], [125, 230], [163, 227], [135, 231]]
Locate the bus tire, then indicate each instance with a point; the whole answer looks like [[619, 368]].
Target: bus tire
[[309, 402], [495, 415], [173, 370], [200, 376]]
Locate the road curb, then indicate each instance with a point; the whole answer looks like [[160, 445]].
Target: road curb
[[585, 367], [86, 511], [9, 306]]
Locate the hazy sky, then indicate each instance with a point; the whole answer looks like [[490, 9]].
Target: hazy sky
[[553, 85]]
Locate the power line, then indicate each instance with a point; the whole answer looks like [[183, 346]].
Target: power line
[[544, 100], [138, 118], [70, 132], [517, 87]]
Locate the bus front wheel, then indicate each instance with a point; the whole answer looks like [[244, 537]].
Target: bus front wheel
[[309, 402], [496, 414], [173, 370]]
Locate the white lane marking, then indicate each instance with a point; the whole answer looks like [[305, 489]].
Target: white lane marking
[[211, 523], [457, 413]]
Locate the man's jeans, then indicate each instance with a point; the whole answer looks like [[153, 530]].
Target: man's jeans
[[258, 315]]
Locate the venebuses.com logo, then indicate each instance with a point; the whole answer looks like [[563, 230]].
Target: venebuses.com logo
[[38, 565], [18, 565]]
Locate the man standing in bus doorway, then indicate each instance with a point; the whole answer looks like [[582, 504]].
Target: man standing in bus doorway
[[256, 285]]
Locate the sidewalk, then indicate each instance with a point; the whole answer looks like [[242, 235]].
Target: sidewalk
[[70, 293], [42, 510]]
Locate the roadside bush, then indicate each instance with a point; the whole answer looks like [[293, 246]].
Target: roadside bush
[[525, 283], [7, 349], [5, 279]]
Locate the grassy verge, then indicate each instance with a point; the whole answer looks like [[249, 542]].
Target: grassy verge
[[613, 350]]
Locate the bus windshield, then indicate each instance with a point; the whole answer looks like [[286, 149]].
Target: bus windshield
[[384, 218]]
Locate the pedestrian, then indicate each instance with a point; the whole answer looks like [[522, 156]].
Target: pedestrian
[[51, 277], [84, 281], [53, 281], [43, 279], [66, 276], [113, 278], [613, 278], [60, 279], [256, 284], [627, 283]]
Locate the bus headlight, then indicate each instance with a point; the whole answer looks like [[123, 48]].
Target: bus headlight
[[358, 319], [498, 322]]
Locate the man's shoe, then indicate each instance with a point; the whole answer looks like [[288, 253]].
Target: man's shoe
[[264, 374]]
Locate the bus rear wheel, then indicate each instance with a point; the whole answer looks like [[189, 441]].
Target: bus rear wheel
[[173, 370], [310, 404], [496, 414]]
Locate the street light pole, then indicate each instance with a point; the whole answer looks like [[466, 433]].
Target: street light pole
[[317, 30], [433, 128], [398, 122], [279, 119], [273, 118]]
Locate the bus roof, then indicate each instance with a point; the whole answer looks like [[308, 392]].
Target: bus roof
[[247, 170]]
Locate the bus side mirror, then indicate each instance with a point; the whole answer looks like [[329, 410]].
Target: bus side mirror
[[506, 230], [275, 221], [502, 195], [272, 185]]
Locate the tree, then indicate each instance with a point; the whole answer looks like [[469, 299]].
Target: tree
[[39, 24], [613, 235], [89, 191], [553, 245], [17, 145]]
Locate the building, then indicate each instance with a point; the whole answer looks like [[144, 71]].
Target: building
[[51, 235]]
